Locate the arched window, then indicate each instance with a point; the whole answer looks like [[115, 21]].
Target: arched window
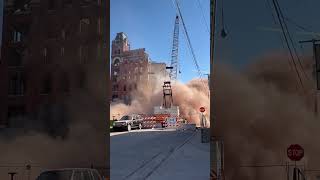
[[116, 62]]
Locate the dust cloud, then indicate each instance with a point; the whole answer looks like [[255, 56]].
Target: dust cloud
[[189, 97], [83, 146], [259, 111]]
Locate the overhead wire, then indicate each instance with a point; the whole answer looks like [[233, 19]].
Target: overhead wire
[[291, 40], [190, 46], [203, 17], [287, 42], [282, 41]]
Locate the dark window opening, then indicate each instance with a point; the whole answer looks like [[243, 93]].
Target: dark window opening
[[115, 96], [15, 58], [82, 79], [65, 82], [51, 4], [115, 87], [84, 25], [17, 84], [124, 88], [116, 62], [47, 85], [16, 111], [135, 86], [67, 2], [47, 55]]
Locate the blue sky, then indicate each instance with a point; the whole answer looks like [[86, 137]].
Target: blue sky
[[150, 24], [245, 20]]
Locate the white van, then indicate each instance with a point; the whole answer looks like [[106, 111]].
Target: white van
[[70, 174]]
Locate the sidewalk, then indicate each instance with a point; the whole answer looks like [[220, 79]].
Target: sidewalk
[[191, 161]]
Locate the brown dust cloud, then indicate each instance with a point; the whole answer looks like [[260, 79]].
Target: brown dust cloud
[[84, 145], [189, 97], [262, 109]]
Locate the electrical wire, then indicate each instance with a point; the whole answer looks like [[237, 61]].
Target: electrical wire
[[203, 17], [291, 40], [287, 42], [282, 42], [190, 46]]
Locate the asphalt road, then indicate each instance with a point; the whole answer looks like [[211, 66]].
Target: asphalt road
[[138, 154]]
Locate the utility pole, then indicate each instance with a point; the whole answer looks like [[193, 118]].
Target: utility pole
[[316, 56], [215, 144]]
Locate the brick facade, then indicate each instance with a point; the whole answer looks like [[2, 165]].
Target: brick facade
[[131, 69], [46, 48]]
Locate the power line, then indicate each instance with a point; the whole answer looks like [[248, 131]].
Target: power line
[[287, 42], [282, 41], [292, 43], [190, 46], [203, 17]]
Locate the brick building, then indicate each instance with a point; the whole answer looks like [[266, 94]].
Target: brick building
[[47, 46], [131, 69]]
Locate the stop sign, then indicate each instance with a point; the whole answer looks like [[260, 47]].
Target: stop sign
[[202, 109], [295, 152]]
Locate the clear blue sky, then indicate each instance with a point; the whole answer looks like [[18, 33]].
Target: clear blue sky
[[149, 24]]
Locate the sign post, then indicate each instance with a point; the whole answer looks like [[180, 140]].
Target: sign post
[[205, 135], [295, 153]]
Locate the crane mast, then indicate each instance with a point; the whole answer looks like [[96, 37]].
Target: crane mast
[[174, 52]]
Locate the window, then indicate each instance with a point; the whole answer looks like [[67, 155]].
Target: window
[[51, 4], [62, 51], [67, 2], [63, 34], [99, 26], [16, 84], [16, 111], [135, 86], [46, 84], [116, 62], [99, 54], [84, 53], [84, 25], [15, 58], [115, 87], [65, 82], [47, 55], [82, 79], [124, 88], [17, 36]]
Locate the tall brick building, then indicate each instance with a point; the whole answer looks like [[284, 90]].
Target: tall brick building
[[47, 46], [131, 69]]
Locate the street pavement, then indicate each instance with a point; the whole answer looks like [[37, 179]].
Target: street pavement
[[159, 154]]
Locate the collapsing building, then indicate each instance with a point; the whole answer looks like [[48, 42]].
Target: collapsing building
[[131, 69]]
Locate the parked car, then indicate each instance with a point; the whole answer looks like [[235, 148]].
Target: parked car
[[70, 174], [129, 122]]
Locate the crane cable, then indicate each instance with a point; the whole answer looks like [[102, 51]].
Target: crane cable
[[190, 47]]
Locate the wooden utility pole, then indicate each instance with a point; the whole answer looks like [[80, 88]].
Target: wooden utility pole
[[316, 57]]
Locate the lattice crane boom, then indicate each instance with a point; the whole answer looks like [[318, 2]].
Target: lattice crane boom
[[175, 50]]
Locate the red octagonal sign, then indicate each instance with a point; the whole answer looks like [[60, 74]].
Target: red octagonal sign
[[295, 152]]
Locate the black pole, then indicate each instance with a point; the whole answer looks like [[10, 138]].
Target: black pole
[[12, 175]]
